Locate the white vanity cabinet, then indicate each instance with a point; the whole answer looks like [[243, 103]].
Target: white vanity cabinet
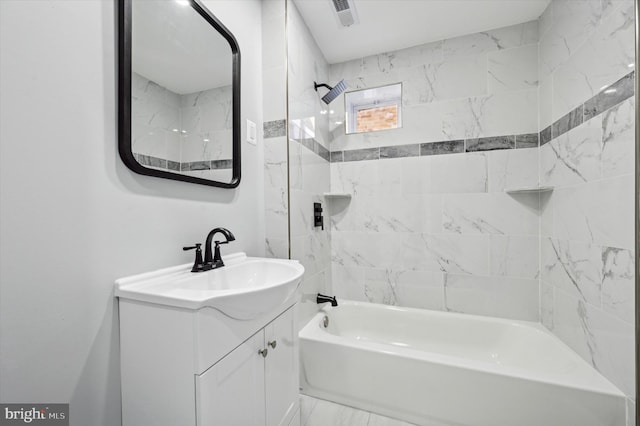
[[182, 367], [216, 348], [255, 384]]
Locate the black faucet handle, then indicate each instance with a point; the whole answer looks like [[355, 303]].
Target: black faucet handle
[[198, 263]]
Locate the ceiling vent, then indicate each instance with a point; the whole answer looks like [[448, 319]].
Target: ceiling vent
[[346, 12]]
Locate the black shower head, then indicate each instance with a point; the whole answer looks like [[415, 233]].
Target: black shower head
[[333, 91]]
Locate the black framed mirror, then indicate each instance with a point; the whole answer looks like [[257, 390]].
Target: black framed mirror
[[178, 92]]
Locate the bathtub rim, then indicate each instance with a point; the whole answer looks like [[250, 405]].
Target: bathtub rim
[[312, 331]]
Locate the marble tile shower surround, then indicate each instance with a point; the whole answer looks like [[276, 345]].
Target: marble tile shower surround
[[437, 231], [475, 86], [605, 99], [431, 226], [584, 47], [587, 122], [308, 161], [587, 247], [276, 197], [188, 133], [608, 97]]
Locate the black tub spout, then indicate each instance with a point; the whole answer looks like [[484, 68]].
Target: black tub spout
[[321, 298]]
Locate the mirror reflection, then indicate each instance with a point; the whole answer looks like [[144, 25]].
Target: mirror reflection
[[181, 92]]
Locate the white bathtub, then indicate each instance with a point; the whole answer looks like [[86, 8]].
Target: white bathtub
[[436, 368]]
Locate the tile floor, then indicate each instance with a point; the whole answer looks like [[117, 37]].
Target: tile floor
[[318, 412]]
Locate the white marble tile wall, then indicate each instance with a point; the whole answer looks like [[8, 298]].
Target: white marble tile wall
[[587, 245], [155, 113], [308, 172], [182, 128], [206, 125], [276, 197], [584, 46], [439, 232], [478, 85], [274, 75]]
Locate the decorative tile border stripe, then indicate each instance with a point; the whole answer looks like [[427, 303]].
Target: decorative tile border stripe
[[206, 165], [274, 129], [315, 147], [545, 136], [221, 164], [337, 157], [490, 144], [608, 97], [161, 163], [277, 128], [529, 140], [151, 161], [193, 166], [400, 151], [438, 148], [361, 154]]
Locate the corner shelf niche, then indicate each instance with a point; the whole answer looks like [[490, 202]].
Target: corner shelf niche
[[528, 189], [336, 195]]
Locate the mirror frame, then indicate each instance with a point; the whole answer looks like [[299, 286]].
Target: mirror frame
[[124, 97]]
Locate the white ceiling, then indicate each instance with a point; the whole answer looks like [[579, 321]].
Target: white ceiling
[[387, 25], [172, 45]]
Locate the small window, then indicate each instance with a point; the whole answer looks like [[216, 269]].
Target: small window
[[375, 109]]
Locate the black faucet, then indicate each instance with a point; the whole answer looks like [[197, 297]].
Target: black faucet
[[321, 298], [215, 261], [210, 262]]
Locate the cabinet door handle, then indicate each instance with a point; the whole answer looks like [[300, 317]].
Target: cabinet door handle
[[272, 343], [263, 352]]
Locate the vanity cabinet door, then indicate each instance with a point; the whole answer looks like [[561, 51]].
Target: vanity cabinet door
[[232, 392], [281, 367]]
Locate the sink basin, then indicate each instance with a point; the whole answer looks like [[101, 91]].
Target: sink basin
[[245, 288]]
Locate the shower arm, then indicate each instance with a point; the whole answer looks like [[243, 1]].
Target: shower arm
[[333, 91], [316, 85]]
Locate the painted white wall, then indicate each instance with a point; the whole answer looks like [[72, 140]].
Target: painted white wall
[[73, 218]]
